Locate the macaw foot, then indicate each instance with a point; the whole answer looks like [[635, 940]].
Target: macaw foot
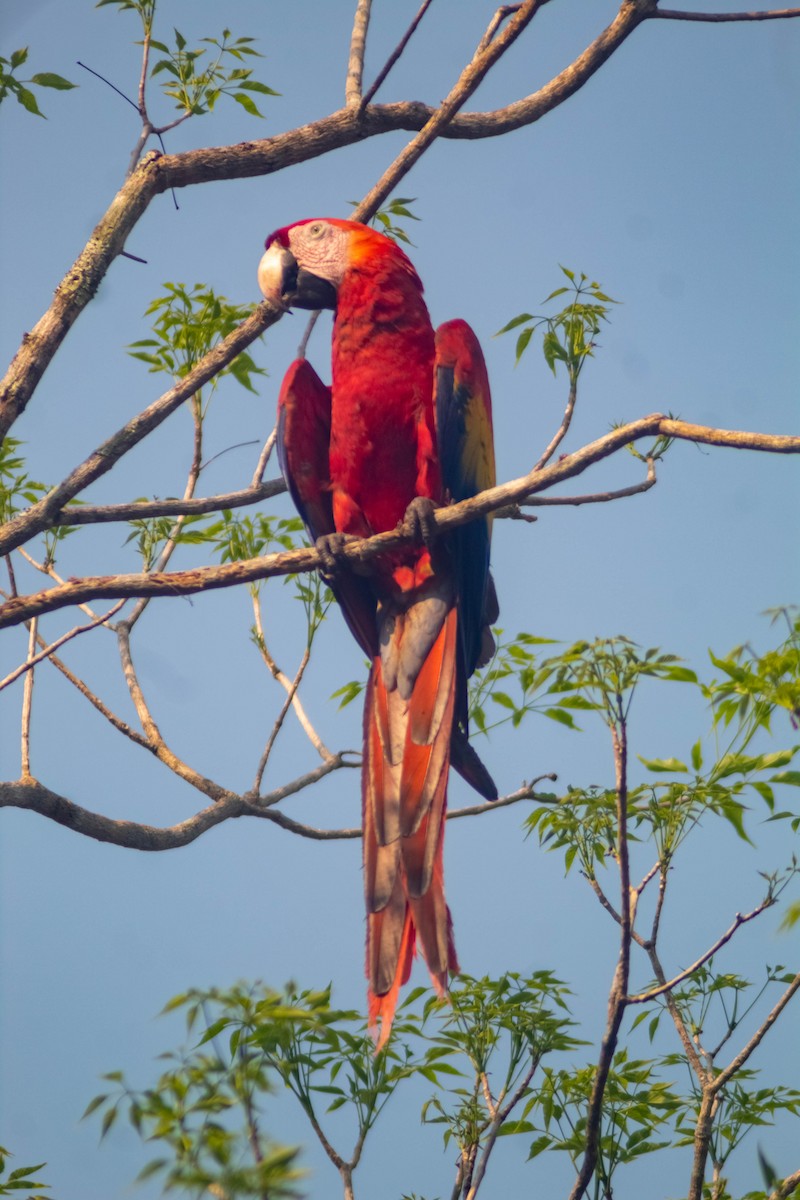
[[420, 520], [330, 548]]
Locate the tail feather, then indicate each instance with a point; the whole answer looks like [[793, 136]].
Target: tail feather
[[404, 793]]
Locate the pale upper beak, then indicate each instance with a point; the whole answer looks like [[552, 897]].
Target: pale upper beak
[[277, 269], [287, 285]]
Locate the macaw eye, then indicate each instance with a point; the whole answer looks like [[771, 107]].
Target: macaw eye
[[316, 229]]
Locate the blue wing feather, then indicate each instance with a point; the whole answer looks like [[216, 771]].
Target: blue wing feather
[[466, 454]]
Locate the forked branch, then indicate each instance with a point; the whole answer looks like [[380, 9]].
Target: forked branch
[[362, 551]]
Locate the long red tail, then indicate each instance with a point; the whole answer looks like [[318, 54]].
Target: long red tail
[[404, 792]]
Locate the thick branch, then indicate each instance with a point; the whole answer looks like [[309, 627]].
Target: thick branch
[[183, 583], [34, 796]]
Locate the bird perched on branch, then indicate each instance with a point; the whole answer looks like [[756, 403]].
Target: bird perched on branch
[[405, 426]]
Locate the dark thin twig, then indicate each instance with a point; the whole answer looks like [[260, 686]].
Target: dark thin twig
[[674, 14], [393, 57], [113, 86]]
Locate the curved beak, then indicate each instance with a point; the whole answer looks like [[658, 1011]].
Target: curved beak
[[286, 285]]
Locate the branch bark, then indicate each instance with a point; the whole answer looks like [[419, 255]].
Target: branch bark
[[157, 173], [362, 551]]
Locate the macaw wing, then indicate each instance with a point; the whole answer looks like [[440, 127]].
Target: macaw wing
[[303, 441], [466, 455]]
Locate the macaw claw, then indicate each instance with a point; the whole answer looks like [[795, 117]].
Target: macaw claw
[[330, 548], [420, 521]]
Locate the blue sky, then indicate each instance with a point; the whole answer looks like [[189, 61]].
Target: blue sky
[[672, 179]]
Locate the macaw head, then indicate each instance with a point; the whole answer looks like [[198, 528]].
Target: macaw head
[[305, 264]]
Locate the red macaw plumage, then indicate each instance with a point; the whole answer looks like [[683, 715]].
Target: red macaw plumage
[[408, 415]]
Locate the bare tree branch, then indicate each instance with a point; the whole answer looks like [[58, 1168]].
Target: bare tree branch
[[358, 45], [98, 514], [27, 705], [741, 1058], [40, 516], [183, 583], [158, 173], [787, 1187], [47, 651], [561, 432], [635, 489], [395, 55], [470, 78], [32, 795], [739, 920], [775, 14], [151, 731], [617, 999]]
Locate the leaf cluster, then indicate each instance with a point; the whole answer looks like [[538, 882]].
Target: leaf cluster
[[569, 337], [189, 322], [196, 87], [10, 85], [385, 218], [19, 1179], [639, 1111]]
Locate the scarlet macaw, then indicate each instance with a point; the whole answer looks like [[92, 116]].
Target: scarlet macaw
[[408, 416]]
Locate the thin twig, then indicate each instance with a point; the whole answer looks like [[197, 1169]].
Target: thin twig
[[526, 792], [309, 329], [501, 15], [151, 731], [171, 543], [261, 466], [775, 14], [741, 1058], [499, 1119], [290, 686], [395, 55], [117, 722], [27, 706], [49, 570], [48, 650], [593, 497], [561, 432], [140, 510], [740, 919], [469, 80]]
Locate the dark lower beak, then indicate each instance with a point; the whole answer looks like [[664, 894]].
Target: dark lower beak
[[311, 292], [286, 285]]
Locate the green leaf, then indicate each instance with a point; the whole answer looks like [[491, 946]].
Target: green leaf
[[252, 85], [663, 764], [28, 101], [514, 322], [50, 80], [247, 103]]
